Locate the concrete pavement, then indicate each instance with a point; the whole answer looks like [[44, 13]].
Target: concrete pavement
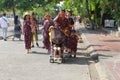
[[15, 64], [108, 48]]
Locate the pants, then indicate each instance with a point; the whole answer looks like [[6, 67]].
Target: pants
[[4, 32], [36, 36]]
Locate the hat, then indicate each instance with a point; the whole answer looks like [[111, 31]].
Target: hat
[[26, 13], [51, 27]]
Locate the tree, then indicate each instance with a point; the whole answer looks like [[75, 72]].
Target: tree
[[16, 4]]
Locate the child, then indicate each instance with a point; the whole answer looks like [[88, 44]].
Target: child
[[50, 39], [72, 43], [75, 41], [56, 49]]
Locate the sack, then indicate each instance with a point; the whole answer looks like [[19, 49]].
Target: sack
[[57, 36]]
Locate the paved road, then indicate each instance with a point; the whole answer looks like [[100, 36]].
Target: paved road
[[15, 64]]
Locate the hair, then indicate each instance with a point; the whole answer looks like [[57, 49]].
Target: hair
[[33, 13], [47, 14], [70, 12], [63, 10], [4, 14], [25, 17], [16, 19]]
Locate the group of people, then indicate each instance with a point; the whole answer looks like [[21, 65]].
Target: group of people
[[64, 22]]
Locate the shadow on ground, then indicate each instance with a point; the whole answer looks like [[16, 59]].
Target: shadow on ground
[[111, 40], [78, 60], [40, 53]]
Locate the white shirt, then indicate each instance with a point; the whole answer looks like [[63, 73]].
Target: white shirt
[[4, 22]]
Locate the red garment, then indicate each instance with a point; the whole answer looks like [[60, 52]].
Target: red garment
[[27, 34], [62, 24], [46, 34], [72, 42]]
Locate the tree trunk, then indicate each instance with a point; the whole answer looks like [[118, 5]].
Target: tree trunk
[[14, 12], [88, 11]]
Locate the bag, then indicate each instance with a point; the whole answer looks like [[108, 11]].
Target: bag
[[57, 36]]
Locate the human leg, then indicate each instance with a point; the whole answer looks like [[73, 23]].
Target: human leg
[[36, 39], [32, 40], [4, 33]]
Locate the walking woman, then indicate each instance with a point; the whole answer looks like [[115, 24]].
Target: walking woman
[[27, 32], [17, 28], [35, 28], [47, 23]]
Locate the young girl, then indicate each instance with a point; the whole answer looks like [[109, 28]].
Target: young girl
[[72, 43]]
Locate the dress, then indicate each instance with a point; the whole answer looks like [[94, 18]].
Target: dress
[[17, 29], [27, 34], [46, 41], [72, 42], [62, 24]]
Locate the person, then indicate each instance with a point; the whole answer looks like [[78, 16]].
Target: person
[[27, 31], [70, 19], [35, 28], [47, 23], [17, 28], [72, 43], [43, 19], [79, 19], [4, 23], [61, 21]]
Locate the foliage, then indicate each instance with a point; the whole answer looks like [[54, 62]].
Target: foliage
[[93, 9]]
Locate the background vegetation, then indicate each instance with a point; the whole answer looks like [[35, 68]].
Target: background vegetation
[[92, 9]]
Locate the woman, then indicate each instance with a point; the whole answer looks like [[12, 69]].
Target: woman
[[35, 27], [17, 28], [61, 21], [47, 23], [70, 19], [27, 31]]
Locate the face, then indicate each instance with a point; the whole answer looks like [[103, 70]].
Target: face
[[61, 14], [27, 17], [68, 14], [33, 16], [48, 17]]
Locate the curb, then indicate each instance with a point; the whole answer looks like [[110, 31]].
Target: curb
[[100, 68], [101, 71]]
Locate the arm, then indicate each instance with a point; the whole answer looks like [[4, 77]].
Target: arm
[[56, 18], [23, 28]]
